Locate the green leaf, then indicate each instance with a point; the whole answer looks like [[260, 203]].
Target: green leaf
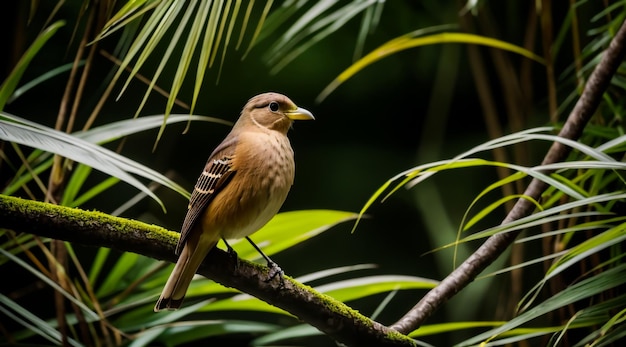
[[182, 65], [94, 191], [590, 246], [128, 268], [10, 83], [209, 288], [442, 328], [79, 147], [584, 289], [39, 161], [294, 332], [257, 31], [286, 48], [115, 277], [333, 271], [494, 205], [178, 26], [181, 333], [415, 175], [27, 319], [27, 267], [408, 41], [290, 228], [229, 33], [72, 147], [98, 264], [75, 183], [116, 130], [343, 291], [131, 10], [49, 75], [285, 230], [361, 287], [144, 316]]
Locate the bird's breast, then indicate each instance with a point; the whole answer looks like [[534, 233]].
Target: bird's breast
[[264, 173]]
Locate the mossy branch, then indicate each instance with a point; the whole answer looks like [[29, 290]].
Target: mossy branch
[[101, 230]]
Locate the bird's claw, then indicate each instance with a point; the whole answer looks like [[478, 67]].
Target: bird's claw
[[275, 270], [231, 251], [233, 255]]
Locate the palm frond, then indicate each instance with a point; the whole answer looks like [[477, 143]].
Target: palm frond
[[182, 26], [82, 147]]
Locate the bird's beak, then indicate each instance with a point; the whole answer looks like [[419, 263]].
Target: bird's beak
[[299, 114]]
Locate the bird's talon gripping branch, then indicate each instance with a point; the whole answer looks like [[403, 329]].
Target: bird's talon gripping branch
[[275, 270], [232, 253], [242, 186]]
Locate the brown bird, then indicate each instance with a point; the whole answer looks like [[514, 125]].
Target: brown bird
[[243, 185]]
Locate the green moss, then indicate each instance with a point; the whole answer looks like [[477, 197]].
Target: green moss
[[83, 217], [393, 335], [342, 309]]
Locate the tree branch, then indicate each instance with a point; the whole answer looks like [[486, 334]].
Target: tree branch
[[494, 246], [101, 230]]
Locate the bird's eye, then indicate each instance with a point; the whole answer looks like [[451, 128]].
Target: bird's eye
[[273, 106]]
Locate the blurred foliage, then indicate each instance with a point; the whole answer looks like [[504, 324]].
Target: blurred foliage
[[405, 85]]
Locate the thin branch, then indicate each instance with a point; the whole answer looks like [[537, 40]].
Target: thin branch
[[494, 246], [101, 230]]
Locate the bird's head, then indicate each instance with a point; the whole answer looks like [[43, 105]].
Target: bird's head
[[273, 111]]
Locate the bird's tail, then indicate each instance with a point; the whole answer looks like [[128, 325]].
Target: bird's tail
[[188, 262]]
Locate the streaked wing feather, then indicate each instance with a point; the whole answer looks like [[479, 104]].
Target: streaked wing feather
[[216, 174]]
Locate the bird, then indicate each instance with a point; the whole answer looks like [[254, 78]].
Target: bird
[[243, 185]]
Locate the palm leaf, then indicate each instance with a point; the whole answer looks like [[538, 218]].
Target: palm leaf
[[90, 153], [34, 324], [18, 130], [346, 290], [202, 22], [407, 41], [10, 83], [584, 289]]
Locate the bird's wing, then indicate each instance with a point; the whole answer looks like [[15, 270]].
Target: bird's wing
[[217, 172]]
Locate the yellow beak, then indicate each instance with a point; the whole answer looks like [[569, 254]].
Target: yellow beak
[[299, 114]]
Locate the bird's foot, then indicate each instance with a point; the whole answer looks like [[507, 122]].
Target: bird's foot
[[232, 254], [275, 271]]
